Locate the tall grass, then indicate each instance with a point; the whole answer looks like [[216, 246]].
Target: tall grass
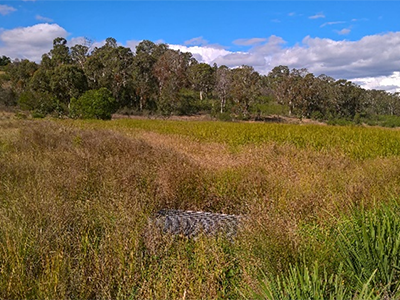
[[75, 199], [365, 264], [353, 141]]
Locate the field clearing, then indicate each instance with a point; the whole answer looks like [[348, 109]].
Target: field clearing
[[354, 141], [75, 197]]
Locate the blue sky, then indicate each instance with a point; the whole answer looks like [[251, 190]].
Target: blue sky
[[355, 40]]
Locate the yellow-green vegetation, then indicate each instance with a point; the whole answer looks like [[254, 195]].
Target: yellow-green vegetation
[[321, 207]]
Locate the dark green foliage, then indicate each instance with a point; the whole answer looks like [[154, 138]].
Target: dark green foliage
[[4, 61], [382, 120], [41, 103], [7, 97], [66, 82], [94, 104]]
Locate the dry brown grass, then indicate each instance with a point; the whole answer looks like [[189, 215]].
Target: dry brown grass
[[74, 205]]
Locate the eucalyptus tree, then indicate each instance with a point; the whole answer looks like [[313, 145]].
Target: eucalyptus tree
[[246, 88], [223, 83], [145, 82], [350, 99], [110, 66], [281, 86], [67, 82], [79, 55], [383, 103], [60, 54], [202, 78], [171, 71], [20, 73]]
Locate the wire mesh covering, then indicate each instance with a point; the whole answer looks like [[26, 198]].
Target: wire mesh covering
[[192, 223]]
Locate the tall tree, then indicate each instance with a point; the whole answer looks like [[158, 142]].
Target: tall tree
[[20, 73], [223, 85], [68, 81], [110, 66], [246, 87], [79, 55], [60, 52], [202, 78], [145, 82], [171, 73], [280, 83]]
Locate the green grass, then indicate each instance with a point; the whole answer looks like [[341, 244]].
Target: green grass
[[355, 142], [76, 196], [365, 264]]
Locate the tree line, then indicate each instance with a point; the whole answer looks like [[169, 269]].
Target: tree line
[[82, 82]]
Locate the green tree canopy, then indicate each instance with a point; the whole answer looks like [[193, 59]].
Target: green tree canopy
[[94, 104]]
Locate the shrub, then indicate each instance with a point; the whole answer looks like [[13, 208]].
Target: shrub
[[40, 104], [94, 104]]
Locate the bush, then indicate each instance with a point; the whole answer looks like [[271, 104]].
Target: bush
[[7, 97], [225, 116], [40, 104], [267, 109], [94, 104]]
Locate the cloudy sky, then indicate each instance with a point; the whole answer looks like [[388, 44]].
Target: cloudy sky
[[354, 40]]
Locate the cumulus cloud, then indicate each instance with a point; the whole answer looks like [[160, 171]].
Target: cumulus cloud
[[249, 42], [389, 83], [371, 56], [5, 9], [30, 42], [239, 58], [371, 61], [205, 54]]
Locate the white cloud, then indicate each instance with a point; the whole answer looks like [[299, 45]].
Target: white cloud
[[5, 9], [205, 54], [389, 83], [371, 61], [132, 44], [239, 58], [197, 41], [332, 23], [43, 19], [344, 31], [249, 42], [30, 42], [317, 16]]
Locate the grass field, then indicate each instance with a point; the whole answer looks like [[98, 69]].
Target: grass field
[[321, 204]]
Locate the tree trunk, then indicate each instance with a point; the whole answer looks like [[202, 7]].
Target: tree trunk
[[141, 103]]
